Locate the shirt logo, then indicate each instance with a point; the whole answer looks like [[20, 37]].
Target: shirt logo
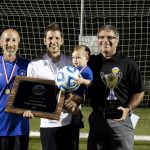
[[115, 70], [22, 72]]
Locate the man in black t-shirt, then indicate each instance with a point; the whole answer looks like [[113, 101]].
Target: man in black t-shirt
[[112, 133]]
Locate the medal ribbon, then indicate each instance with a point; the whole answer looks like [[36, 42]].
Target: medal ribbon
[[83, 68], [5, 74]]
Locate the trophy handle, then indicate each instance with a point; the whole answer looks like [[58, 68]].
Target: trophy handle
[[119, 77], [102, 77]]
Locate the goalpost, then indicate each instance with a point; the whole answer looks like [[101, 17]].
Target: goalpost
[[80, 20]]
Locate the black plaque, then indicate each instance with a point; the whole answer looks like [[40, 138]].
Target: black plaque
[[40, 96]]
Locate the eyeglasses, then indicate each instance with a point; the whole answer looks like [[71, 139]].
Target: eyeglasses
[[108, 37]]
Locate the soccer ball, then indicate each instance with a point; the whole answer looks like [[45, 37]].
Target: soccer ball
[[65, 79]]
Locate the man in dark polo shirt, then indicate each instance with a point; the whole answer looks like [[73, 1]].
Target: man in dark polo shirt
[[114, 133]]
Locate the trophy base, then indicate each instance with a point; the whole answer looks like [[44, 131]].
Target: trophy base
[[111, 111]]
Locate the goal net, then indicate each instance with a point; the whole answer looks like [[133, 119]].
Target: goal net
[[80, 20]]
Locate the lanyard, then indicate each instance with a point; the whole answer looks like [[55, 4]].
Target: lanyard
[[83, 68], [5, 74]]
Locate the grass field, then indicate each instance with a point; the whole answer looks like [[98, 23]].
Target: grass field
[[139, 145], [142, 128]]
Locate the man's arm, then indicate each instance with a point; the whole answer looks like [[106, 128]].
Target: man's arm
[[135, 100]]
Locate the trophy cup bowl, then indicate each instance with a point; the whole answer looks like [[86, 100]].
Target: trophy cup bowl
[[112, 102]]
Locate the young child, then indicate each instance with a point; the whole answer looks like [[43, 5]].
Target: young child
[[80, 57]]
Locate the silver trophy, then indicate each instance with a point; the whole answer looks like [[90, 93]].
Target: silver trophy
[[112, 102]]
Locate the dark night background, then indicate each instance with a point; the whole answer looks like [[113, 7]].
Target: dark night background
[[131, 17]]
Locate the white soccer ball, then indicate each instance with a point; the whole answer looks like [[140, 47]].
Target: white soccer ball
[[65, 79]]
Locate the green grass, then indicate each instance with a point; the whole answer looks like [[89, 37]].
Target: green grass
[[35, 124], [142, 145], [142, 128], [36, 145], [143, 124], [86, 111]]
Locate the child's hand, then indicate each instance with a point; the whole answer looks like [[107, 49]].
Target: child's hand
[[83, 81], [80, 80]]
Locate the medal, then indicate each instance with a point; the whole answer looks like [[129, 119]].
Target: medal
[[7, 91]]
